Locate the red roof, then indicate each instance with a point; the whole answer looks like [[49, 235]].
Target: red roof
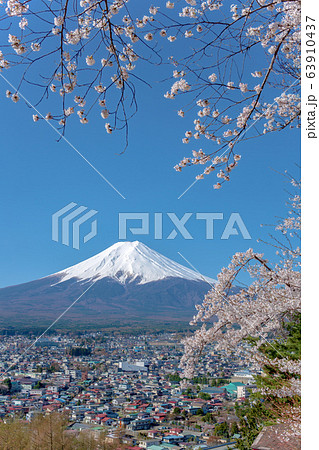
[[176, 430]]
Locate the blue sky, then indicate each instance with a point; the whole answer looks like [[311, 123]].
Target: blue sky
[[40, 176]]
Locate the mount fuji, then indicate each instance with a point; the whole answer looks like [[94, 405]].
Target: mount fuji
[[127, 281]]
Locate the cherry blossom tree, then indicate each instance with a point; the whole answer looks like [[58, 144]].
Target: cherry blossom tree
[[259, 310], [236, 74]]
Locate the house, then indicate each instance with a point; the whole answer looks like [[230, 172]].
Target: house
[[160, 417], [107, 421], [232, 389], [160, 447], [53, 389], [193, 409], [38, 392], [118, 401], [175, 431], [243, 376], [242, 392], [141, 424], [50, 408], [173, 438], [227, 446], [154, 433], [148, 443], [77, 415], [214, 391], [27, 383], [123, 421]]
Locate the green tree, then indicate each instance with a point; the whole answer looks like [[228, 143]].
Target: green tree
[[252, 418], [184, 414], [174, 377], [8, 383], [38, 385], [204, 396], [262, 410], [189, 393], [222, 430], [200, 380], [234, 429], [79, 351], [209, 418]]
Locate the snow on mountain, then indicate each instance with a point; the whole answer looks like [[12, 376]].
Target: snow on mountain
[[126, 262]]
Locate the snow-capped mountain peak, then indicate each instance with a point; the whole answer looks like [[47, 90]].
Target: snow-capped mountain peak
[[132, 284], [130, 261]]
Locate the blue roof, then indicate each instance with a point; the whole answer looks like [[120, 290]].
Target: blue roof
[[161, 447], [213, 390]]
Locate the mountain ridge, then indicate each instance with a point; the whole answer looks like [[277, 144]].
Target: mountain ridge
[[130, 281]]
